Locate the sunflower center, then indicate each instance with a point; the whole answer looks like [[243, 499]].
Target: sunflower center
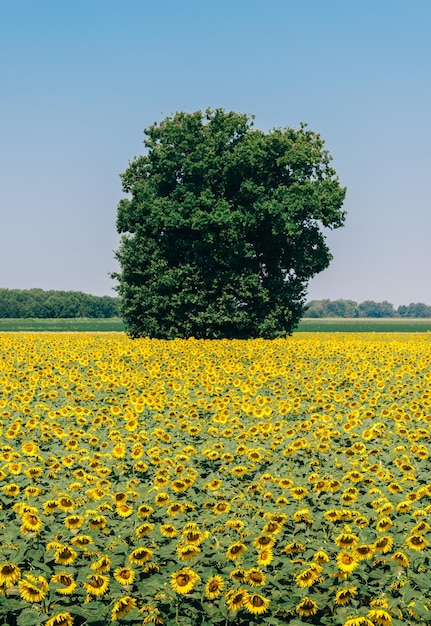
[[183, 580]]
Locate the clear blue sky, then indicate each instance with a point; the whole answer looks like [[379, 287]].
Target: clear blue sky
[[81, 80]]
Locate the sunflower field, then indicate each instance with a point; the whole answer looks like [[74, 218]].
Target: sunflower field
[[195, 482]]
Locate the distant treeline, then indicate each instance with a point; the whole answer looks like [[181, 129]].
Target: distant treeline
[[41, 304], [37, 303], [369, 308]]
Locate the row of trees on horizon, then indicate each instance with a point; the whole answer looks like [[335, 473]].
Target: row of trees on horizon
[[368, 308], [38, 303]]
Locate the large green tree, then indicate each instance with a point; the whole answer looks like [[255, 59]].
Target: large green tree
[[223, 227]]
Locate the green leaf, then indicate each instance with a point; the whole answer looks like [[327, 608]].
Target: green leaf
[[30, 617]]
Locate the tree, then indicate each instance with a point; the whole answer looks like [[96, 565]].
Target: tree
[[415, 309], [369, 308], [332, 308], [223, 227]]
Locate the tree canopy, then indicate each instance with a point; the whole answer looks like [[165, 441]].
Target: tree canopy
[[223, 227]]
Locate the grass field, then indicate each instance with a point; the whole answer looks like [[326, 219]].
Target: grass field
[[367, 325], [85, 324], [324, 325]]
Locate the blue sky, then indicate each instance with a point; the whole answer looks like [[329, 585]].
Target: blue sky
[[81, 80]]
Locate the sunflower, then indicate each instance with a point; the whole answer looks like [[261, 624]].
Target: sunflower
[[334, 485], [162, 499], [122, 606], [187, 551], [404, 506], [175, 509], [214, 587], [194, 536], [215, 484], [168, 530], [235, 598], [66, 504], [11, 490], [66, 581], [97, 522], [97, 585], [124, 575], [385, 509], [380, 617], [221, 507], [361, 521], [395, 488], [124, 509], [255, 603], [239, 470], [265, 556], [401, 558], [345, 595], [417, 542], [383, 524], [308, 577], [321, 557], [32, 492], [347, 561], [303, 515], [9, 574], [384, 544], [64, 555], [255, 577], [33, 472], [298, 492], [21, 508], [281, 501], [144, 529], [263, 541], [140, 555], [346, 540], [102, 565], [358, 621], [60, 619], [239, 574], [179, 485], [184, 580], [363, 551], [379, 603], [145, 510], [421, 527], [140, 466], [81, 541], [273, 527], [72, 522], [34, 589], [294, 548], [234, 524], [152, 568], [30, 448], [235, 551], [331, 515], [306, 607]]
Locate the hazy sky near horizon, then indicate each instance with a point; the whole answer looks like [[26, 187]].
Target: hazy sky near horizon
[[81, 80]]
